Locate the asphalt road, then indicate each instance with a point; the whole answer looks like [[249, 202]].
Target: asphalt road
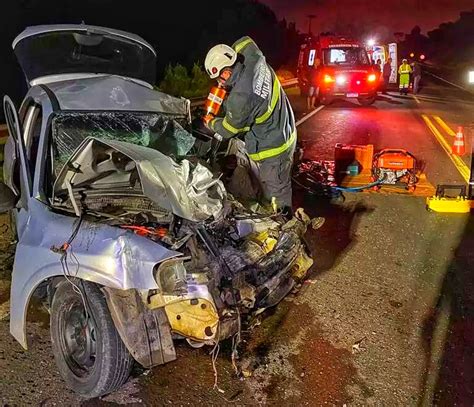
[[386, 318]]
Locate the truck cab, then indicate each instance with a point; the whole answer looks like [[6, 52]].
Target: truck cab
[[345, 70]]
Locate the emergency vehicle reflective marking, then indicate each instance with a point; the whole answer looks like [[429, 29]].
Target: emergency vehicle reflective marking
[[343, 45], [312, 54], [457, 161], [354, 71], [444, 126]]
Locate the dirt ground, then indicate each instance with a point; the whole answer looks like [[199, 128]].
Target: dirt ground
[[386, 318]]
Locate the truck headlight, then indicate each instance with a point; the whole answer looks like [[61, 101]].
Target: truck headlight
[[470, 77], [372, 77]]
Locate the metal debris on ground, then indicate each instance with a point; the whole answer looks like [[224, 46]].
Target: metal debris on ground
[[316, 177]]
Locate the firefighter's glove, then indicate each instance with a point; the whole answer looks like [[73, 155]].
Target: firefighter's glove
[[201, 131]]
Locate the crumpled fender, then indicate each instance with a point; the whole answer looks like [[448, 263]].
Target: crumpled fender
[[107, 255]]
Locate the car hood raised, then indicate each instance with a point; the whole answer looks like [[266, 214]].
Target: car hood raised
[[49, 53]]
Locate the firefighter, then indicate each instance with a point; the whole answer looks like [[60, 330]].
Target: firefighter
[[404, 80], [258, 109]]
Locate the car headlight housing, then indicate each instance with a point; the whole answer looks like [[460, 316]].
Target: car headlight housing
[[170, 276]]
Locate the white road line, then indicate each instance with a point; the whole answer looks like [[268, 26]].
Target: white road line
[[450, 83], [309, 115], [417, 100]]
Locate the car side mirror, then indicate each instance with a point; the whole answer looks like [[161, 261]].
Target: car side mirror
[[7, 198]]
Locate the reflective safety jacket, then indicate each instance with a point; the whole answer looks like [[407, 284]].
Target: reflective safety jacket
[[257, 106], [404, 69]]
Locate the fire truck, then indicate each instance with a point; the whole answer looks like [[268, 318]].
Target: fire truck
[[340, 66]]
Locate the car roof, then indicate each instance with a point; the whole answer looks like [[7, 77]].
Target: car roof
[[39, 29], [112, 93]]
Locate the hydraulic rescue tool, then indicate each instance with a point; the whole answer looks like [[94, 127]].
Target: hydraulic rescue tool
[[392, 166]]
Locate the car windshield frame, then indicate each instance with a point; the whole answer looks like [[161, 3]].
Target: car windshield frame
[[361, 57], [164, 132]]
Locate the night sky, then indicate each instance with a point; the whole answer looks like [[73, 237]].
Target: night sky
[[384, 16]]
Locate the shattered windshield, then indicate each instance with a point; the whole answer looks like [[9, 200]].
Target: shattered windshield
[[158, 131], [345, 56]]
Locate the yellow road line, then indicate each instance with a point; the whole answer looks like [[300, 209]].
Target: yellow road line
[[445, 127], [416, 99], [457, 161]]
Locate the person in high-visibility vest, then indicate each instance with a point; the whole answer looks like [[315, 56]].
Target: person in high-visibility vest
[[258, 109], [404, 72]]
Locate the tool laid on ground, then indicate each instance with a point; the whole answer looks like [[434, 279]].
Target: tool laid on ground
[[355, 169], [464, 201], [392, 166]]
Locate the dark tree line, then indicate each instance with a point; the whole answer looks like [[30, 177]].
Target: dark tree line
[[180, 31], [451, 45]]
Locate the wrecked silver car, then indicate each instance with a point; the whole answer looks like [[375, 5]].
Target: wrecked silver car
[[128, 236]]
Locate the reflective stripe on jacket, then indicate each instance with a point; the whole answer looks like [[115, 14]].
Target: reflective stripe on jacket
[[257, 106]]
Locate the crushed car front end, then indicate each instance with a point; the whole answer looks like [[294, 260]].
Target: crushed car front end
[[231, 263]]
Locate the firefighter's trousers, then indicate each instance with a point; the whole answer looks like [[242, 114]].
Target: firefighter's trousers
[[274, 175]]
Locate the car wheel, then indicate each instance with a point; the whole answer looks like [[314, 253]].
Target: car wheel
[[91, 357], [367, 101], [326, 100]]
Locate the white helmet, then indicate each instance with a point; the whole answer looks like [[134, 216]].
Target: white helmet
[[219, 57]]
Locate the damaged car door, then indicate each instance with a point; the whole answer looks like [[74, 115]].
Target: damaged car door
[[15, 161]]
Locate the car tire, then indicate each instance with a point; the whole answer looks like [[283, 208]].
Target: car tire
[[367, 101], [326, 100], [91, 357]]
